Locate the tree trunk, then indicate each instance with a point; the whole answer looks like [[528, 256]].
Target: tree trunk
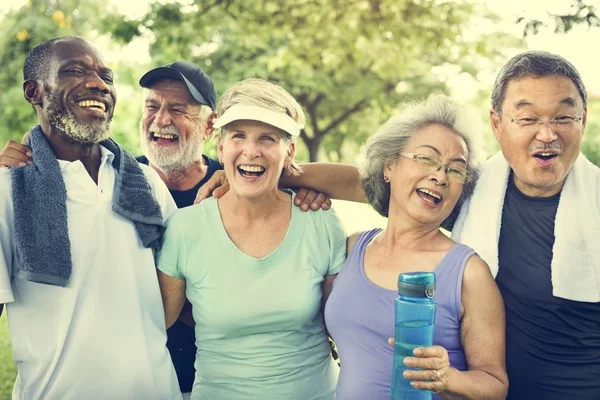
[[312, 144]]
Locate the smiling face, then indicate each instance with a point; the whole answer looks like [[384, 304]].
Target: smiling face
[[540, 160], [420, 192], [79, 96], [253, 155], [173, 127]]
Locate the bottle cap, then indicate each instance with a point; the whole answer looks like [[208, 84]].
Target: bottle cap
[[417, 284]]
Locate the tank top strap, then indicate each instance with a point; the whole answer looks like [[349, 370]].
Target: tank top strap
[[449, 276], [356, 256]]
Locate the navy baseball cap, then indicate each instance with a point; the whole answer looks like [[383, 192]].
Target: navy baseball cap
[[199, 84]]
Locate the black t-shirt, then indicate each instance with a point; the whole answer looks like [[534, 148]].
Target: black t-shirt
[[552, 344], [180, 337]]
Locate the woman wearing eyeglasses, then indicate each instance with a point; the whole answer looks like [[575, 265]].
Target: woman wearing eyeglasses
[[418, 168]]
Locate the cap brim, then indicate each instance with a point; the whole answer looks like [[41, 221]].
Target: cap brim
[[170, 73], [239, 112]]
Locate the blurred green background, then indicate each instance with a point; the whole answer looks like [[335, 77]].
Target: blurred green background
[[350, 63]]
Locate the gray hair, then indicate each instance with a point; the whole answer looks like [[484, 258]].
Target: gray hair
[[534, 64], [384, 147]]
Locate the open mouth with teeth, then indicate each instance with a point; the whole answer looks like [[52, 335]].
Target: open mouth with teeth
[[253, 171], [429, 196], [545, 156], [164, 137], [93, 105]]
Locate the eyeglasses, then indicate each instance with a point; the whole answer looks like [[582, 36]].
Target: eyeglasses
[[560, 124], [432, 164]]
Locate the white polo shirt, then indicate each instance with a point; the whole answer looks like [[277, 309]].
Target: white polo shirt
[[103, 335]]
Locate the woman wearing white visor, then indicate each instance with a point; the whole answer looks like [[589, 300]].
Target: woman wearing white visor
[[256, 269]]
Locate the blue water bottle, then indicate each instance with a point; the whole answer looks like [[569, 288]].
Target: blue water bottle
[[414, 319]]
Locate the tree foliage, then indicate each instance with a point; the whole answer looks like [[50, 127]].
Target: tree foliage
[[579, 12], [32, 24], [348, 62]]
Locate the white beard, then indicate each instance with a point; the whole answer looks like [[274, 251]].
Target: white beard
[[172, 159]]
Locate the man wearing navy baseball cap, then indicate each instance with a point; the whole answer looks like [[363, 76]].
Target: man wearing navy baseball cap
[[179, 99]]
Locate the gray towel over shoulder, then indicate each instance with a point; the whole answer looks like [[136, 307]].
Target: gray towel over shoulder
[[43, 248]]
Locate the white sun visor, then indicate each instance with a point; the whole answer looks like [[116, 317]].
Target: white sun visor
[[255, 113]]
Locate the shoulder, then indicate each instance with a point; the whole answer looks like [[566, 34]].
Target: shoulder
[[160, 191], [351, 241], [195, 215], [477, 274]]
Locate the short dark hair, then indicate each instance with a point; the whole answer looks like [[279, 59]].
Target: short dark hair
[[37, 61], [536, 64]]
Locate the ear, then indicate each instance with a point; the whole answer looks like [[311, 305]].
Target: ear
[[291, 153], [584, 120], [387, 168], [220, 150], [495, 123], [209, 125], [33, 91]]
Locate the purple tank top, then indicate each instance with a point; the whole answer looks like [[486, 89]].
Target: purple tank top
[[360, 318]]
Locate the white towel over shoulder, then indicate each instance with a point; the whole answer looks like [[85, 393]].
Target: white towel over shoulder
[[576, 251]]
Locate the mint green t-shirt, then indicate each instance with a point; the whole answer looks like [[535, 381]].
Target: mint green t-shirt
[[259, 328]]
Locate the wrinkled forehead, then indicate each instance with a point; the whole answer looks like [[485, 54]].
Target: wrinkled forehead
[[170, 91], [73, 49], [542, 92]]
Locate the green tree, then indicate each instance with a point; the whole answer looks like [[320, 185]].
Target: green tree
[[40, 20], [348, 62]]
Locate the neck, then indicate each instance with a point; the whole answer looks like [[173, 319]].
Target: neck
[[65, 148], [404, 232], [183, 179], [262, 207]]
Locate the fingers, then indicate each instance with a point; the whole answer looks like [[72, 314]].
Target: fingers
[[15, 154], [322, 201], [309, 199], [216, 186], [300, 198], [221, 190], [432, 368], [391, 341]]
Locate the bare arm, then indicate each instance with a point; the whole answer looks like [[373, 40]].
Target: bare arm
[[172, 291], [482, 337], [337, 181]]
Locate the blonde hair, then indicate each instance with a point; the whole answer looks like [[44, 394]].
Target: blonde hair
[[265, 94]]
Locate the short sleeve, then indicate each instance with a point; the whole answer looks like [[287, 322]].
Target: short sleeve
[[337, 242], [169, 258], [6, 238]]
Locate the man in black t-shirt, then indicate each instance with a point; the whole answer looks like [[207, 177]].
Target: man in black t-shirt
[[534, 219], [179, 99]]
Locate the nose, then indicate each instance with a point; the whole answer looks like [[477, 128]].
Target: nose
[[95, 82], [546, 133], [439, 176], [251, 149], [162, 117]]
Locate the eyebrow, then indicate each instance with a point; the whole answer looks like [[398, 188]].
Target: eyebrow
[[170, 104], [568, 101], [70, 63], [461, 160]]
